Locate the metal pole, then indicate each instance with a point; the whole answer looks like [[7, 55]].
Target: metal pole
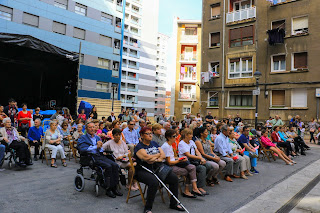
[[80, 47], [112, 97], [121, 45], [256, 115], [317, 109]]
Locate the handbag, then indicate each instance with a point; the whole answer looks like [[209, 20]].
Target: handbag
[[183, 164], [195, 162], [162, 171]]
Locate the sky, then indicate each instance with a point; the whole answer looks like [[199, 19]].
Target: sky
[[184, 9]]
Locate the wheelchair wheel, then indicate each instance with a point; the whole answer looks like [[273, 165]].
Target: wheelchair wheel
[[97, 189], [79, 182]]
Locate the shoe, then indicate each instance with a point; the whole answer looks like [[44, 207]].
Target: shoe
[[227, 178], [249, 174], [116, 192], [35, 158], [189, 196], [196, 193], [235, 176], [109, 193], [22, 164], [255, 171], [294, 162], [29, 163], [180, 209], [205, 193], [244, 177]]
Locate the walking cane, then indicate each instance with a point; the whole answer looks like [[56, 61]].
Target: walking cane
[[164, 185]]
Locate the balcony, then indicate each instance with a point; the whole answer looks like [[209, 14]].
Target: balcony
[[136, 22], [134, 55], [189, 39], [116, 51], [188, 58], [135, 44], [241, 15], [187, 96], [132, 90], [132, 78], [119, 8], [188, 79], [133, 66], [117, 29], [115, 73]]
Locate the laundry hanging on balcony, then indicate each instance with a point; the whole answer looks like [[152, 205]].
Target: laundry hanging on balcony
[[204, 77], [276, 36]]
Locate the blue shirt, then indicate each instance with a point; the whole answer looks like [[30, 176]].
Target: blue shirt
[[131, 136], [93, 148], [243, 139], [221, 145], [35, 133], [283, 136]]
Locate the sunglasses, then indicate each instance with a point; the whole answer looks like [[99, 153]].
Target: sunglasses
[[131, 124], [174, 136]]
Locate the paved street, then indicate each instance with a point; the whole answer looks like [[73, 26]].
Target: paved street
[[44, 189]]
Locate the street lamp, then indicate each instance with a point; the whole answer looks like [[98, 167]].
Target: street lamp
[[114, 86], [257, 75]]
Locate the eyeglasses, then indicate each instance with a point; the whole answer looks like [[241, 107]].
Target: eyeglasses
[[131, 124], [148, 133], [174, 136]]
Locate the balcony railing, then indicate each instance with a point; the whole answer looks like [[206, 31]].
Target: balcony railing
[[132, 78], [187, 96], [116, 51], [134, 55], [132, 90], [184, 78], [189, 39], [133, 66], [119, 7], [115, 73], [187, 57], [117, 29], [241, 15]]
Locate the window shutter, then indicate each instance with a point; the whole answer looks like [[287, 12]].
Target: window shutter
[[59, 28], [299, 98], [300, 60], [235, 34], [30, 19], [215, 38], [234, 60], [278, 98], [106, 41], [6, 9], [279, 24], [215, 10], [279, 58], [247, 32], [79, 33], [300, 23]]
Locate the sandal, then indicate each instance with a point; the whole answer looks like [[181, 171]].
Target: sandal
[[64, 164], [210, 183], [54, 165], [178, 208], [215, 181]]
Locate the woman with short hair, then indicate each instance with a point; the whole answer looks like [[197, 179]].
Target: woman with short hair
[[157, 136], [65, 133], [24, 119], [53, 140]]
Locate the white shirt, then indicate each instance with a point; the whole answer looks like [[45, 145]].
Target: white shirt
[[168, 151], [163, 132], [183, 147]]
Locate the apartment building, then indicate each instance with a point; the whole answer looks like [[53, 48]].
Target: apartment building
[[188, 66], [138, 77], [168, 103], [161, 73], [278, 39], [66, 24]]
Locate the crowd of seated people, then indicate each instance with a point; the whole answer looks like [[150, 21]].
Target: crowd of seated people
[[198, 149]]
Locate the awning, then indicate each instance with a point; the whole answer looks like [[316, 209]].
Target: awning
[[34, 43]]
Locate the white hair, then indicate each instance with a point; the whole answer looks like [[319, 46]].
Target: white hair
[[38, 119], [165, 123], [5, 120], [123, 124]]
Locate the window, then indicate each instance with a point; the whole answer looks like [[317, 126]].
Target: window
[[106, 18], [134, 30], [214, 39], [31, 20], [279, 24], [81, 59], [213, 99], [186, 109], [213, 69], [240, 99], [5, 13], [59, 28], [105, 40], [240, 68], [278, 98], [300, 25], [241, 5], [80, 84], [215, 10], [300, 61], [102, 86], [299, 98], [79, 33], [190, 31], [63, 4], [80, 9], [241, 36], [188, 72], [104, 63], [278, 63]]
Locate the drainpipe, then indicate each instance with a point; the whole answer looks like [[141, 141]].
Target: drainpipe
[[78, 70], [223, 57], [121, 46]]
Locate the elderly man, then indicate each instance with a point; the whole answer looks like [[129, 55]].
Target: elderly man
[[34, 136], [91, 143], [111, 118], [245, 143], [131, 135], [276, 121], [223, 149], [166, 126], [10, 137]]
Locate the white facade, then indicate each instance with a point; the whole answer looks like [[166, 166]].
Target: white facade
[[161, 73], [138, 79]]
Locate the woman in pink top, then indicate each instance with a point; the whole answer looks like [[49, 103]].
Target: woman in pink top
[[266, 142]]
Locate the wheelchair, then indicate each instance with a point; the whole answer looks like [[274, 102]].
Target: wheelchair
[[97, 173], [12, 158]]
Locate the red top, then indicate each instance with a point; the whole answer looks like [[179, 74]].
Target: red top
[[266, 141], [24, 115], [82, 116], [275, 137]]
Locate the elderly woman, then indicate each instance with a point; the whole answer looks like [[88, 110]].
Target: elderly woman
[[24, 119], [157, 136], [9, 137], [149, 154], [214, 164], [245, 163], [121, 152], [65, 133], [53, 140], [181, 166], [78, 133], [188, 148]]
